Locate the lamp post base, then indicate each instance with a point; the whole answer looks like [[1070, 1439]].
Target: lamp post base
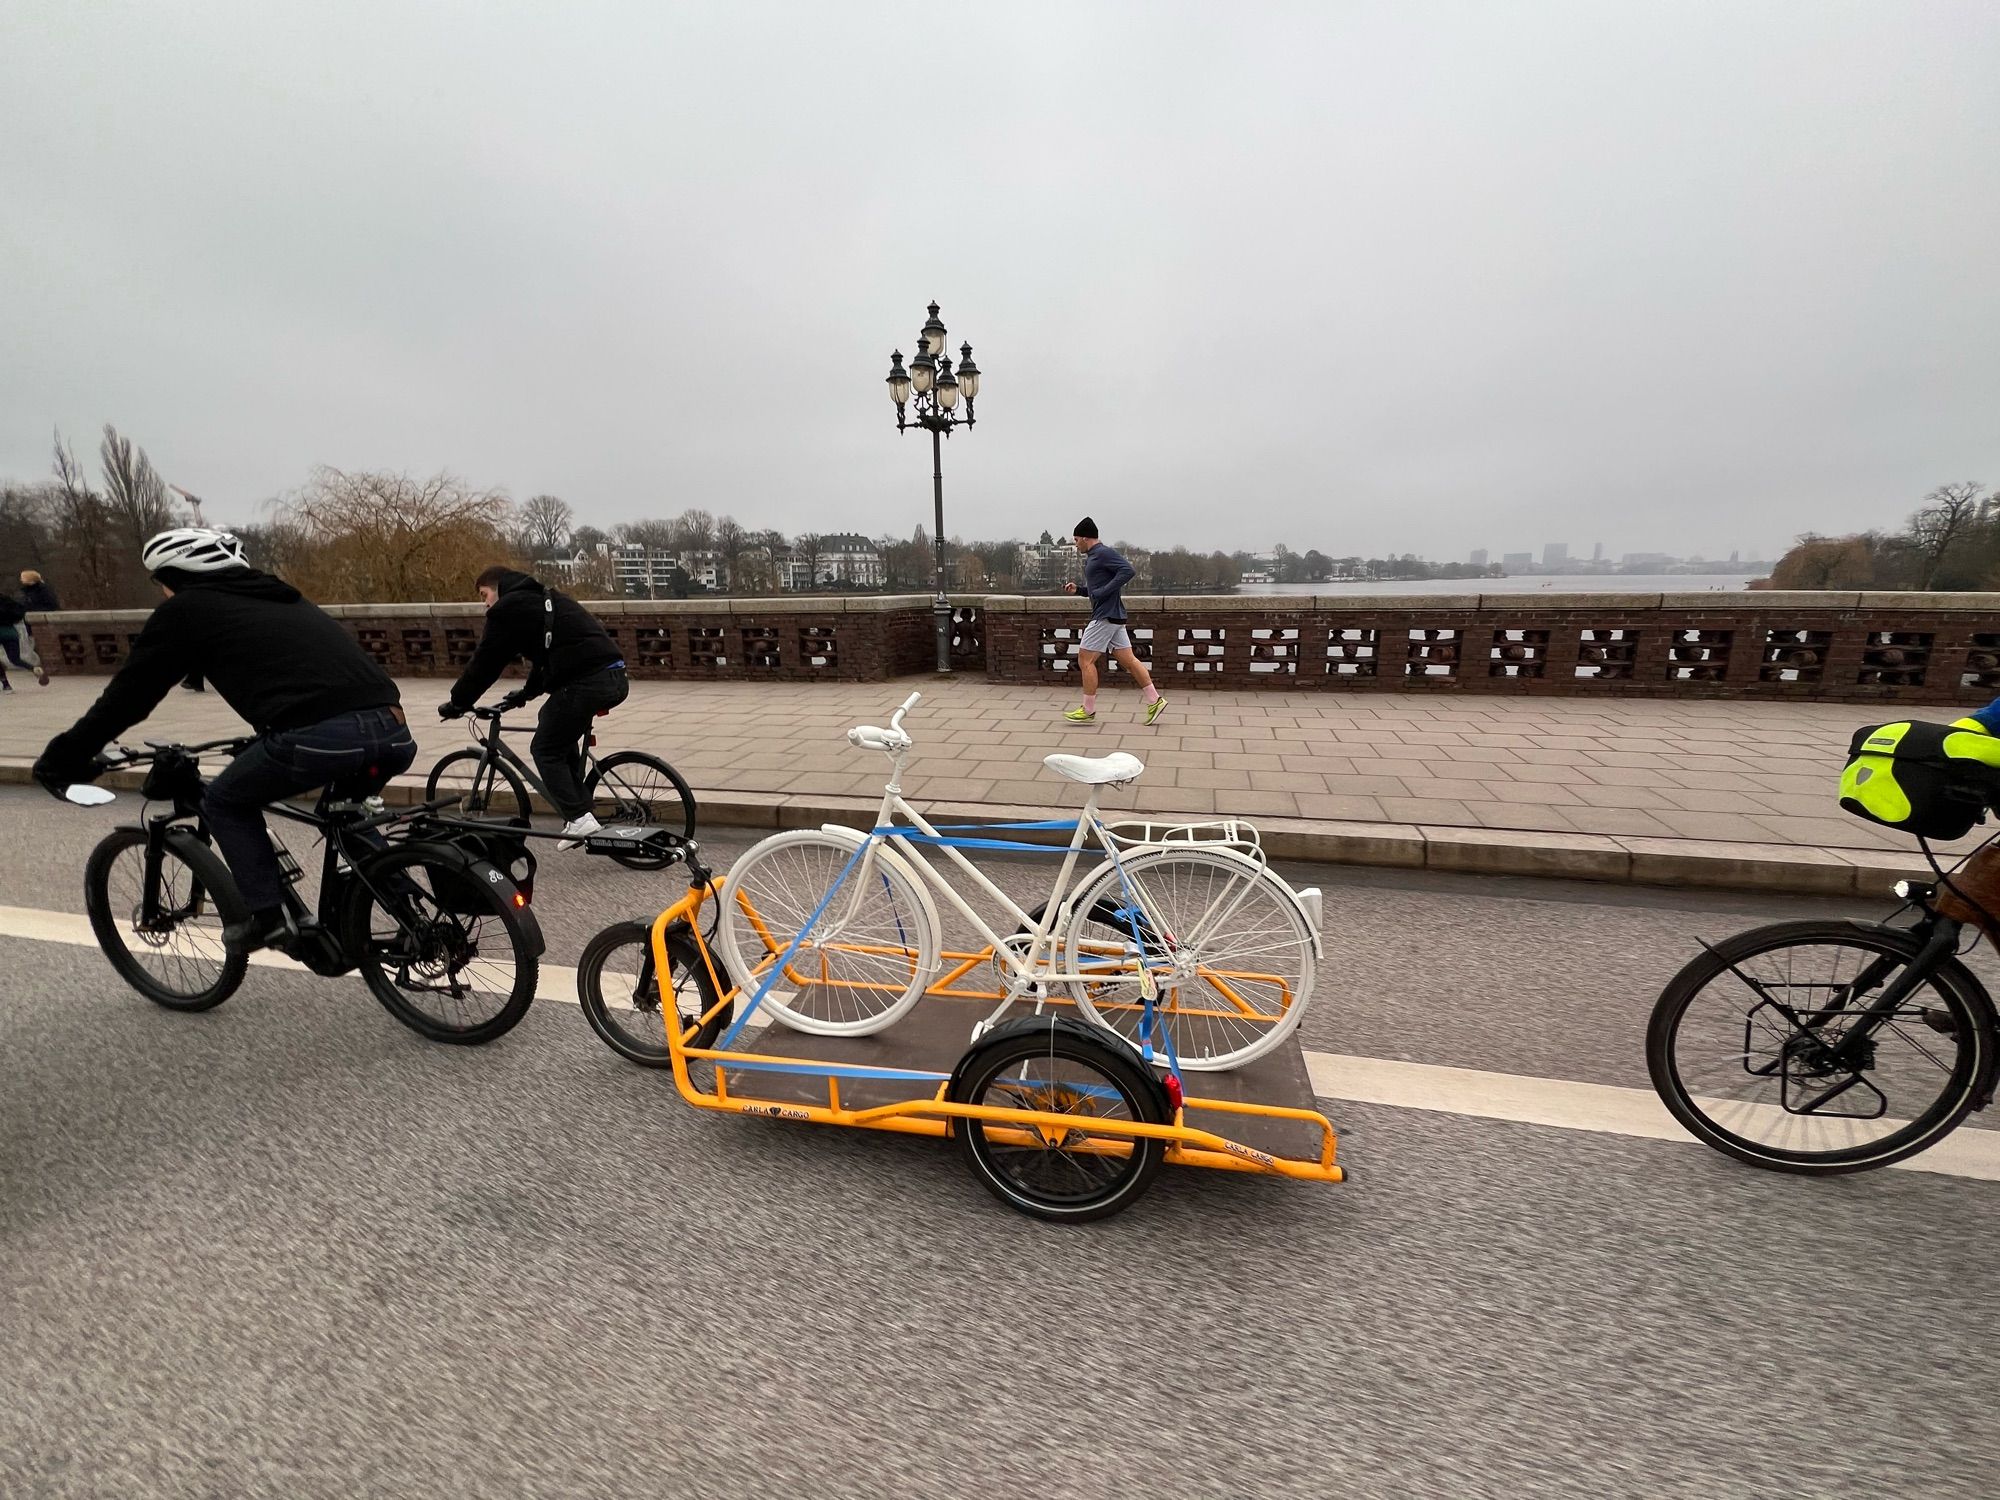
[[941, 619]]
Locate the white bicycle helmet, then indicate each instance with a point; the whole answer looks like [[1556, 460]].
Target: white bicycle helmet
[[193, 549]]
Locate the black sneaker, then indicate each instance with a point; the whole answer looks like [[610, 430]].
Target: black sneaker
[[274, 929]]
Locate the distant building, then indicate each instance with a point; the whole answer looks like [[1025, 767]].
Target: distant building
[[840, 559], [1478, 557], [1517, 561], [1647, 562], [1597, 552], [1555, 554], [1048, 565]]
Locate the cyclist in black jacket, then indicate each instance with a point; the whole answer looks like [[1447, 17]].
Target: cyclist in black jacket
[[570, 657], [324, 713]]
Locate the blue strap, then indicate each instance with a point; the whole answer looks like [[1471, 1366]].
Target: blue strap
[[827, 1070]]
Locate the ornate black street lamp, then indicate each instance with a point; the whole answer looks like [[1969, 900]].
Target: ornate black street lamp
[[937, 389]]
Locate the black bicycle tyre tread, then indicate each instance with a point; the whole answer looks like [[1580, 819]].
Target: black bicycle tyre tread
[[527, 962], [590, 992], [1951, 981], [1044, 1036], [523, 804], [214, 876]]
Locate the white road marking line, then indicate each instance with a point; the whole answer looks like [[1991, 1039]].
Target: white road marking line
[[1561, 1104], [1567, 1105]]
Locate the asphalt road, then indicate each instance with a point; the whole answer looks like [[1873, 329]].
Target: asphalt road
[[289, 1248]]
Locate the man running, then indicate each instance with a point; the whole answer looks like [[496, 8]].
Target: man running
[[1105, 574]]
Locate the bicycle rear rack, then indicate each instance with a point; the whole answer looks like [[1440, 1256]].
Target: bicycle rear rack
[[1227, 833]]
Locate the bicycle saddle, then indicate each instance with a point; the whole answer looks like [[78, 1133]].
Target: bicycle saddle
[[1108, 770]]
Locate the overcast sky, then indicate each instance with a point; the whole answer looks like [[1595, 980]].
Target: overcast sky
[[1367, 277]]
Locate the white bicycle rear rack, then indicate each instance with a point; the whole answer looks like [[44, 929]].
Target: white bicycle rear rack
[[1227, 833]]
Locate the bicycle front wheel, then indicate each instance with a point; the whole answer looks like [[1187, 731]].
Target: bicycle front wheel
[[857, 968], [175, 957], [444, 951], [1229, 950], [1754, 1048], [633, 788], [625, 1001], [484, 788]]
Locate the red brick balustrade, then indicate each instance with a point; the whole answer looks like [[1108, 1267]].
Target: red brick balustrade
[[1825, 647], [1821, 647], [861, 638]]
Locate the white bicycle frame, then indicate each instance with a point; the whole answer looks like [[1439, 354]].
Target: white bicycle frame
[[1026, 973]]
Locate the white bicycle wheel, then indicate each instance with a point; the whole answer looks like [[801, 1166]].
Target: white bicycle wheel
[[1229, 948], [863, 964]]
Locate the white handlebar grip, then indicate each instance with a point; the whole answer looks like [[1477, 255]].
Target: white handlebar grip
[[911, 701]]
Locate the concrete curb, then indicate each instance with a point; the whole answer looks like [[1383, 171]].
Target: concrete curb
[[1688, 863]]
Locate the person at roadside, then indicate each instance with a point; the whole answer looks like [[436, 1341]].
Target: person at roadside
[[16, 645], [324, 713], [570, 658], [36, 595], [1105, 575]]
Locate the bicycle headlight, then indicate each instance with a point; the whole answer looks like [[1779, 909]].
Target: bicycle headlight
[[1903, 889]]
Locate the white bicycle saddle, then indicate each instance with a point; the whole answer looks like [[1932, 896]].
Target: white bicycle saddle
[[1107, 770]]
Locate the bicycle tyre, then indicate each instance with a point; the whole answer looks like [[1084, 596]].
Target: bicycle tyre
[[1249, 979], [649, 808], [693, 989], [484, 796], [207, 886], [1090, 1182], [1969, 1017], [436, 933], [860, 985]]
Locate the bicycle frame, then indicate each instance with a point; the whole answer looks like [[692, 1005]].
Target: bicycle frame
[[495, 749]]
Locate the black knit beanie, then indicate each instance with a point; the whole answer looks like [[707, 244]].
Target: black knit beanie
[[1085, 527]]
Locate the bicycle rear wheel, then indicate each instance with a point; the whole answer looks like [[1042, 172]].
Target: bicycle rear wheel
[[444, 951], [861, 965], [1230, 952], [178, 959], [619, 987], [484, 788], [630, 787], [1745, 1048], [1076, 1170]]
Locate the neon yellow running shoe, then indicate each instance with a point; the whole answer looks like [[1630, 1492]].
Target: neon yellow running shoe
[[1080, 715], [1154, 709]]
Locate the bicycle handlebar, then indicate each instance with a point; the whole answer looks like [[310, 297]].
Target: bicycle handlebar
[[894, 738]]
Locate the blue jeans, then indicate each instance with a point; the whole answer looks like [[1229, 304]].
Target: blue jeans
[[355, 754]]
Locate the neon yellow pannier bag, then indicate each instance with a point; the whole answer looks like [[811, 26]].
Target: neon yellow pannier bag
[[1931, 780]]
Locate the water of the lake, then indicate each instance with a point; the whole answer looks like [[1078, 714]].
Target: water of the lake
[[1613, 583]]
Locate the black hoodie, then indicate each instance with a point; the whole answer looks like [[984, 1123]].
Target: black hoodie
[[520, 624], [277, 659]]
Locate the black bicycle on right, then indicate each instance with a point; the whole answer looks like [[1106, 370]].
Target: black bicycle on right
[[1834, 1046], [639, 790]]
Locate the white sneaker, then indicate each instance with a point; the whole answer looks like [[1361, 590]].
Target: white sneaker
[[580, 827]]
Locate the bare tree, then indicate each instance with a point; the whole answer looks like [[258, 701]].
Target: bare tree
[[811, 548], [545, 526], [696, 529], [85, 527], [380, 537], [135, 492], [1948, 513], [730, 541]]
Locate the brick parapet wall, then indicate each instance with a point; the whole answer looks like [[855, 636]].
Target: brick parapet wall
[[1813, 647], [860, 638]]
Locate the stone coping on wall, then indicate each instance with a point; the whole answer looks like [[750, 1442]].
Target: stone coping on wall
[[709, 604], [1735, 601]]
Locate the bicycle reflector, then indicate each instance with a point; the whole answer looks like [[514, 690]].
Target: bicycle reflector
[[1173, 1083]]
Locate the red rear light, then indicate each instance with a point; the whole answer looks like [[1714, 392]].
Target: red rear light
[[520, 898], [1173, 1092], [593, 739]]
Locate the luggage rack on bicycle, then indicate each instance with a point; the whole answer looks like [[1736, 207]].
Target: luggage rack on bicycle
[[1227, 833]]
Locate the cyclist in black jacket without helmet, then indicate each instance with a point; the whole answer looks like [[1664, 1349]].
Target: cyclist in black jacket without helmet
[[569, 657]]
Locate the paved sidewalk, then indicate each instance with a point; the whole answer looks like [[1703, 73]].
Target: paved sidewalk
[[1594, 785]]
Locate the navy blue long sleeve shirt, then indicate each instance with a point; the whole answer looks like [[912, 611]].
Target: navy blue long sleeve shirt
[[1105, 573]]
